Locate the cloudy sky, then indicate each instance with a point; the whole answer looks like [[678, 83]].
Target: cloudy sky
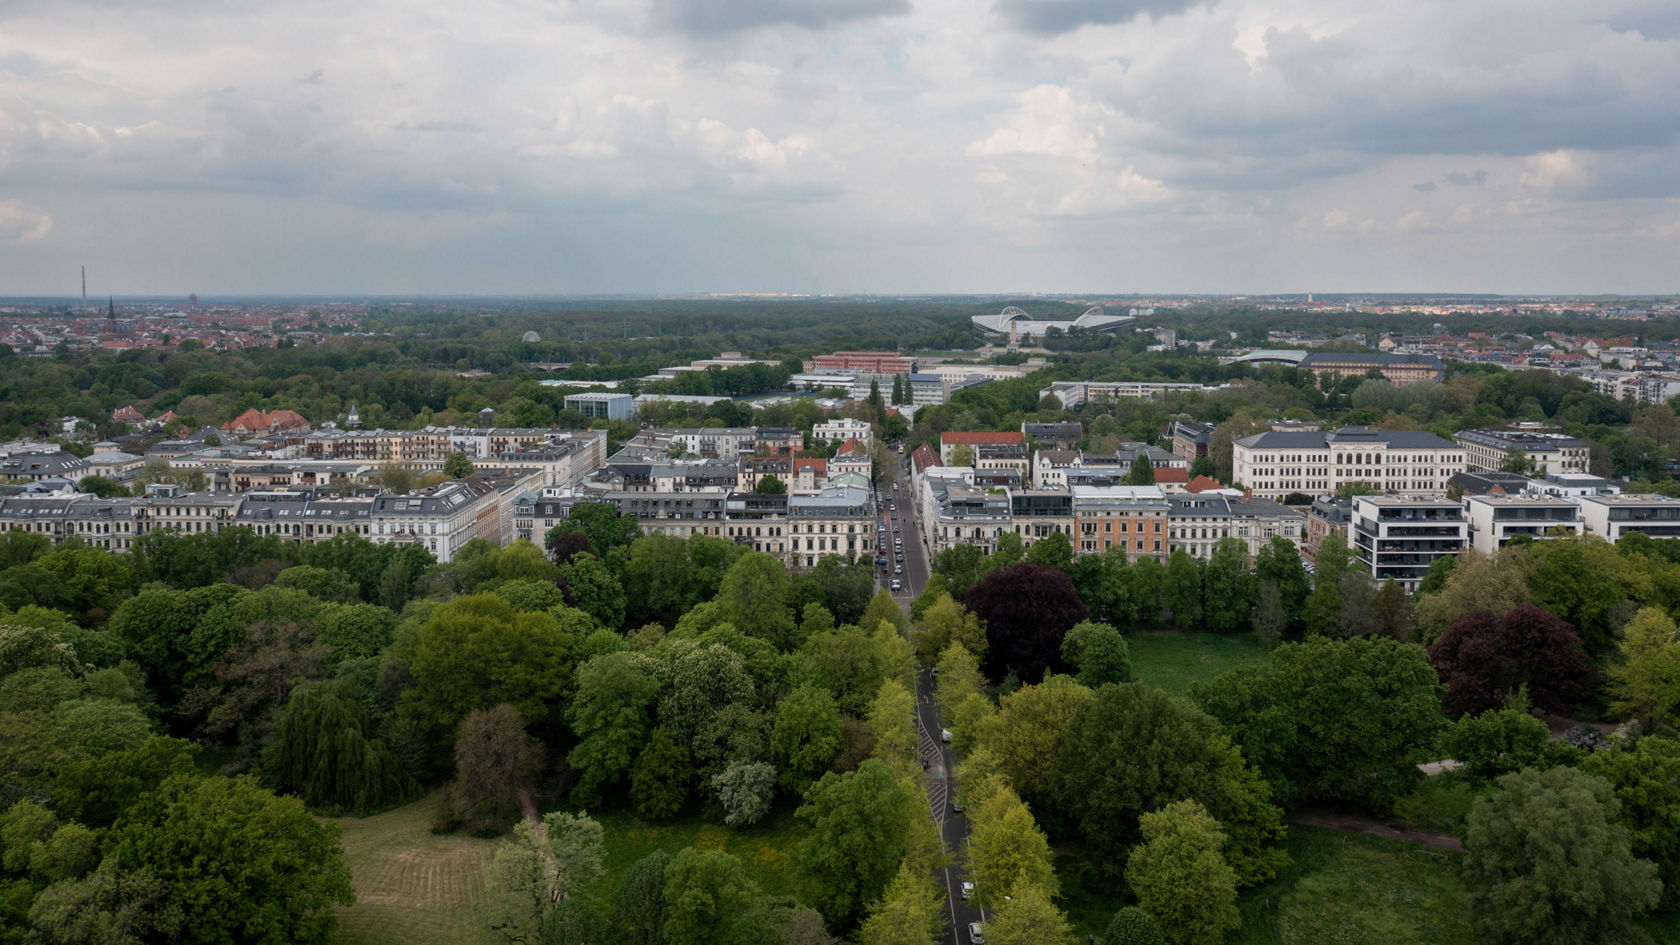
[[581, 146]]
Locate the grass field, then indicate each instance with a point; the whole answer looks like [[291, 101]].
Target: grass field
[[1172, 661], [413, 887], [1340, 889]]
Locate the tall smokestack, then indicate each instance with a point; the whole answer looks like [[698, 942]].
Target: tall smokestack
[[84, 288]]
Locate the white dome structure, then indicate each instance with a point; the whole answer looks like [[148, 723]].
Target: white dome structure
[[531, 338]]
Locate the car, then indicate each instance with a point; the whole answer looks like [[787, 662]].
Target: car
[[896, 584], [945, 735], [955, 807], [967, 890], [977, 933], [898, 569]]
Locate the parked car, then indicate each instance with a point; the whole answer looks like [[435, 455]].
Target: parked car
[[977, 933], [896, 584]]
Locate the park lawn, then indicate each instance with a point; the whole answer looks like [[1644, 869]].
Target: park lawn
[[765, 849], [413, 887], [1339, 889], [1170, 660]]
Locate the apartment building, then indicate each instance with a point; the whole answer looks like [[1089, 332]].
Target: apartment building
[[1054, 436], [1274, 465], [1325, 515], [299, 517], [1133, 518], [758, 521], [838, 520], [1198, 522], [100, 523], [1612, 516], [1073, 394], [964, 514], [1190, 439], [1397, 537], [948, 442], [1546, 453], [442, 519], [872, 362], [1399, 369], [601, 405], [1040, 513], [1496, 519], [842, 429]]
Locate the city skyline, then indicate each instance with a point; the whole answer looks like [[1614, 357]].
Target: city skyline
[[849, 146]]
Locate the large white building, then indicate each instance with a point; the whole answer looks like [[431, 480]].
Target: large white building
[[1612, 516], [1276, 464], [842, 429], [1547, 453], [1020, 326]]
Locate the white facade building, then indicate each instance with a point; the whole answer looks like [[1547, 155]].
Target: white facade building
[[1274, 464]]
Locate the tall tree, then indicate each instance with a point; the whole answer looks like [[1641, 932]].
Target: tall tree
[[457, 466], [495, 760], [1227, 587], [1098, 653], [327, 755], [1027, 733], [1180, 877], [1133, 926], [1545, 861], [1338, 720], [1029, 918], [1484, 658], [754, 597], [475, 652], [1646, 681], [942, 624], [1181, 591], [1646, 780], [710, 900], [1279, 562], [1141, 473], [860, 824], [806, 737], [909, 912], [638, 905], [611, 715], [1006, 849], [1027, 609], [237, 863]]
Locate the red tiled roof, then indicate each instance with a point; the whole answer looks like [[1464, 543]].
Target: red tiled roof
[[853, 445], [923, 457], [1198, 484], [984, 437], [1172, 474]]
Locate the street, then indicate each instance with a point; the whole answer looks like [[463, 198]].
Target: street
[[941, 762]]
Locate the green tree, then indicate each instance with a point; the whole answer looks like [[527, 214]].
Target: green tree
[[1181, 592], [475, 652], [638, 905], [1646, 681], [536, 872], [1279, 562], [660, 777], [1180, 877], [495, 761], [101, 487], [1133, 926], [1545, 861], [860, 825], [909, 912], [327, 757], [1026, 735], [591, 587], [238, 863], [1132, 749], [806, 737], [1142, 472], [1391, 613], [898, 389], [1006, 850], [1497, 742], [883, 608], [754, 597], [1494, 583], [962, 455], [770, 485], [1054, 551], [457, 466], [611, 715], [1270, 618], [1646, 780], [355, 631], [1098, 652], [745, 789], [1227, 587], [319, 583], [601, 523], [709, 900], [943, 623], [1030, 918], [1343, 720]]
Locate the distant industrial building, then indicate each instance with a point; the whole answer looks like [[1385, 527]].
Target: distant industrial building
[[602, 406], [1020, 326]]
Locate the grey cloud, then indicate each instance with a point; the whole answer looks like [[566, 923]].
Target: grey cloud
[[1461, 179], [712, 17], [1426, 187], [1052, 17], [313, 78]]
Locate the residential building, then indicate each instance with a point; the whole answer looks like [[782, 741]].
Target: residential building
[[758, 521], [1197, 523], [778, 441], [1054, 436], [1543, 452], [1132, 518], [1274, 465], [1612, 516], [255, 422], [1397, 537], [950, 441], [842, 429], [602, 405], [1496, 519], [1191, 439], [838, 520], [1488, 483], [1039, 513], [115, 465], [443, 519], [1571, 484], [966, 514], [852, 458], [1050, 468], [1255, 522], [1073, 394], [1399, 369], [299, 517], [34, 467], [1326, 514]]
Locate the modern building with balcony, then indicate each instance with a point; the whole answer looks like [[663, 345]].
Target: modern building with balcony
[[1496, 519], [1545, 452], [1612, 516], [1397, 537]]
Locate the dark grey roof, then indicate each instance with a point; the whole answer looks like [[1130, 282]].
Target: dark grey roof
[[1346, 436], [1198, 506]]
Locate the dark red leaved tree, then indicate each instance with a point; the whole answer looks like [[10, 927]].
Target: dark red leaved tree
[[1484, 657], [1027, 610]]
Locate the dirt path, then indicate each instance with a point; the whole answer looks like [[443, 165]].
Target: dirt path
[[1336, 820]]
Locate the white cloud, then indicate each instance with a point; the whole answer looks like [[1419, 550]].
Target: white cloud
[[21, 223]]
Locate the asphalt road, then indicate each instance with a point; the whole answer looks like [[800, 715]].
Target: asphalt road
[[940, 760]]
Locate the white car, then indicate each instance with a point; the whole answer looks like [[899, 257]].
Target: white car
[[977, 933], [967, 890], [896, 584], [945, 735]]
